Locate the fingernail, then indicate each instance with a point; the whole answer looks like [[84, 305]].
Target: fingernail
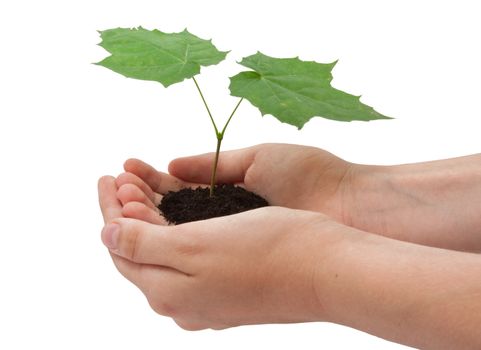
[[110, 235]]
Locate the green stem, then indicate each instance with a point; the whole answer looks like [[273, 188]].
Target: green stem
[[214, 166], [219, 136], [205, 104], [228, 120]]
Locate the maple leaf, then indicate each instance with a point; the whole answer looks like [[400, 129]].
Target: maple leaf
[[168, 58], [295, 91]]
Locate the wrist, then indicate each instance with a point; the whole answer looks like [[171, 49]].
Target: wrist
[[427, 203], [366, 194], [400, 291], [325, 243]]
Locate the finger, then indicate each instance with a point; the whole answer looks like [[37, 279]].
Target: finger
[[190, 325], [231, 168], [109, 204], [131, 193], [129, 178], [158, 181], [140, 211], [144, 275], [144, 243], [129, 270]]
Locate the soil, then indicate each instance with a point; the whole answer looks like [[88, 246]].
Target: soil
[[195, 204]]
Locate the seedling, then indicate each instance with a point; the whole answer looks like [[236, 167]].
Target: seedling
[[292, 90]]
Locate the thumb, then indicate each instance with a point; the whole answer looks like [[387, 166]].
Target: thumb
[[141, 242], [231, 167]]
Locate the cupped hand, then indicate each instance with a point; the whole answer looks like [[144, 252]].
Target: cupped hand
[[260, 266], [285, 175]]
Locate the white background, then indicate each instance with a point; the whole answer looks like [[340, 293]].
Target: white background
[[64, 122]]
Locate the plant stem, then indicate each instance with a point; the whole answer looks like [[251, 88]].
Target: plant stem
[[205, 104], [228, 120], [214, 166], [219, 136]]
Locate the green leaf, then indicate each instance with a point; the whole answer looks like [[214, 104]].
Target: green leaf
[[168, 58], [294, 91]]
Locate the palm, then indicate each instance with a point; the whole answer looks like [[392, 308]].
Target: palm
[[286, 175], [296, 177]]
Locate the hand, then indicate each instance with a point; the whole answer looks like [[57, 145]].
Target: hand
[[275, 265], [256, 267], [291, 176], [432, 203]]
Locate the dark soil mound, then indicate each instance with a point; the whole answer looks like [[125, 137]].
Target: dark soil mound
[[195, 204]]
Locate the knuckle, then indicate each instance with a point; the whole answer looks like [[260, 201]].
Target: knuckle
[[131, 208], [131, 241], [190, 326], [162, 307], [122, 179], [251, 177], [219, 327], [188, 242], [189, 246], [128, 189], [164, 299]]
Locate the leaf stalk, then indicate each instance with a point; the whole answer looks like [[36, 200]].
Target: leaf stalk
[[205, 104], [219, 136]]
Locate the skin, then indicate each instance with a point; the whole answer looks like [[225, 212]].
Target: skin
[[433, 203], [280, 265]]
